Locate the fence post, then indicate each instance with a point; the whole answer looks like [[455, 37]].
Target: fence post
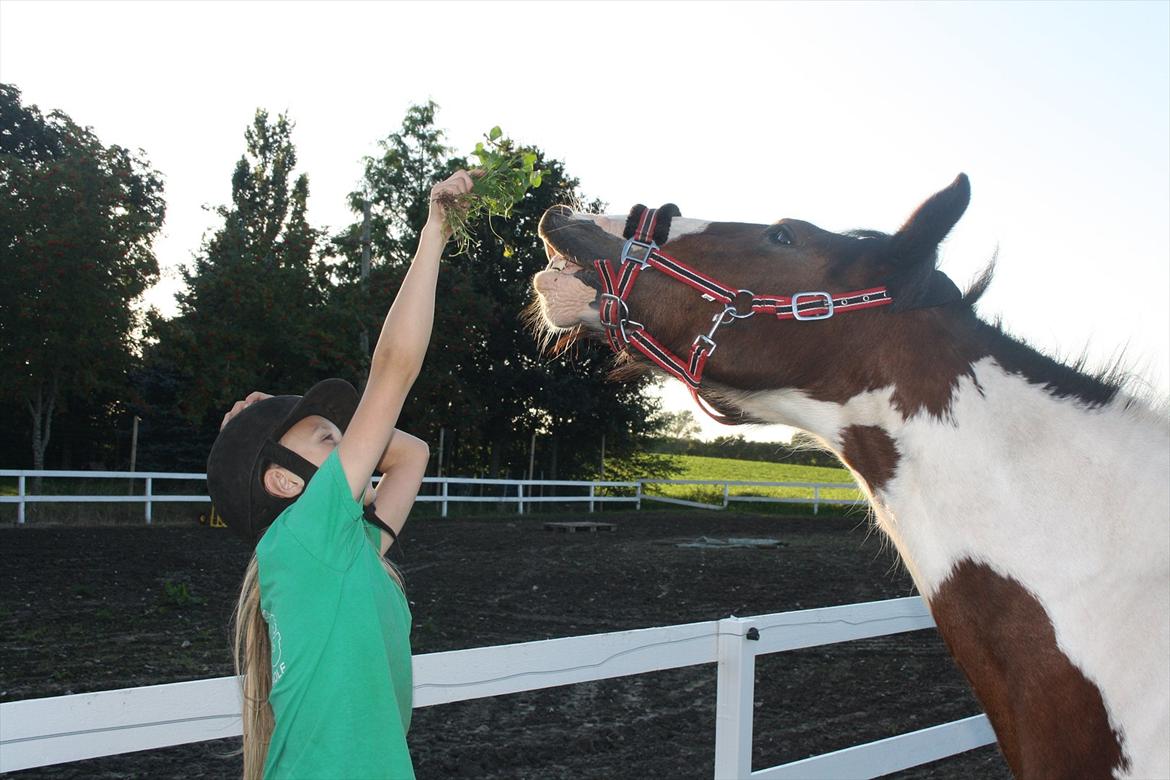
[[638, 494], [816, 498], [20, 506], [725, 490], [590, 496], [734, 698], [149, 493], [520, 497], [444, 498]]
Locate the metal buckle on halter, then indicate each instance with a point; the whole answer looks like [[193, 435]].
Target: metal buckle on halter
[[623, 320], [633, 325], [828, 305], [643, 258], [707, 339], [624, 314]]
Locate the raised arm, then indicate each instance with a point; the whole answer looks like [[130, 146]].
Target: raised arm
[[401, 347]]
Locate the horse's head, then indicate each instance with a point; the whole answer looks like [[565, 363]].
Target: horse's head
[[829, 359]]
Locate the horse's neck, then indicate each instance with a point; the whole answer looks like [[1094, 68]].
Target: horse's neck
[[1036, 527], [1023, 481], [1012, 476]]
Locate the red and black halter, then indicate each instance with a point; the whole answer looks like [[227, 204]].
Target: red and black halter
[[645, 230]]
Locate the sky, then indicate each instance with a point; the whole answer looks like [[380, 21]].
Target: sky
[[846, 115]]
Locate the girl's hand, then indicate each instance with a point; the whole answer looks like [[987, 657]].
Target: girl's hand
[[240, 406], [445, 194]]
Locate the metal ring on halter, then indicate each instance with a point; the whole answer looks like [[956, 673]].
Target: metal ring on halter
[[648, 246], [733, 310]]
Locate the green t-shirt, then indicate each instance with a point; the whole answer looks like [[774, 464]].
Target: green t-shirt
[[340, 632]]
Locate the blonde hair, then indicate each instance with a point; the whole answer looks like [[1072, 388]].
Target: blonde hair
[[253, 656]]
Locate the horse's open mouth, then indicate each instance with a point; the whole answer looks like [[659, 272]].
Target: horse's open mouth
[[568, 288]]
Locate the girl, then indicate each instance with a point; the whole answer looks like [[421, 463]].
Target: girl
[[322, 625]]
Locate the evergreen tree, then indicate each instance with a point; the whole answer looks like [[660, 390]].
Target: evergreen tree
[[249, 317]]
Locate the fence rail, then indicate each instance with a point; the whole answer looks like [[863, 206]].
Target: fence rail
[[39, 732], [521, 493]]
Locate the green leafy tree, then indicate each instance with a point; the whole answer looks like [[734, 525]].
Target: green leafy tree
[[397, 184], [486, 381], [680, 425], [77, 222], [249, 316]]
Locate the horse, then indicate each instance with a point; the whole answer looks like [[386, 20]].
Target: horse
[[1029, 499]]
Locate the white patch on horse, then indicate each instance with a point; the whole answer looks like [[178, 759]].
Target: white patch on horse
[[679, 226], [1037, 488]]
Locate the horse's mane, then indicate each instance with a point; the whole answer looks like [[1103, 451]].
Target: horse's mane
[[1061, 375]]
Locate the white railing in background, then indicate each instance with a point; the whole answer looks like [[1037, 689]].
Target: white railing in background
[[519, 492], [39, 732]]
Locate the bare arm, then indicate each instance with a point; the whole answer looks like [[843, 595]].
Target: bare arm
[[401, 347], [403, 465]]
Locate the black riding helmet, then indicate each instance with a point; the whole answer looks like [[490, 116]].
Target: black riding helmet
[[250, 442]]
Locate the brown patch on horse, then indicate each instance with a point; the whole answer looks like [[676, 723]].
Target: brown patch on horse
[[922, 354], [1049, 719], [870, 451]]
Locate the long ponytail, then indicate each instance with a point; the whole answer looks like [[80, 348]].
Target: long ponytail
[[253, 657]]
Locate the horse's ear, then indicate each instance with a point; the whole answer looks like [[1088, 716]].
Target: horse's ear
[[917, 241]]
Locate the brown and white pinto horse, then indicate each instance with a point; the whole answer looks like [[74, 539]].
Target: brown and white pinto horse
[[1030, 501]]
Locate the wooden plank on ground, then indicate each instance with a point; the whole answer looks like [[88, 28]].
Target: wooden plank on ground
[[574, 527]]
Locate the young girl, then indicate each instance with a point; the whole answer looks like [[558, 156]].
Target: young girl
[[322, 625]]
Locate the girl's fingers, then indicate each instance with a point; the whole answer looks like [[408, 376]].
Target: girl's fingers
[[240, 406], [458, 182]]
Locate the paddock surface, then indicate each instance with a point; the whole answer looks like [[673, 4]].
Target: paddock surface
[[99, 608]]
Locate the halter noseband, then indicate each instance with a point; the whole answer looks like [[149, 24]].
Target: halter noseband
[[645, 230]]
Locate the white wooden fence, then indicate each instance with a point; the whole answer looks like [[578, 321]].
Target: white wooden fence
[[38, 732], [521, 493]]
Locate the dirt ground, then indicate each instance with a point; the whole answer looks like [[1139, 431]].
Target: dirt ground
[[99, 608]]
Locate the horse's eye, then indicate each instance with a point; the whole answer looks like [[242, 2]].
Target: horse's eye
[[784, 235]]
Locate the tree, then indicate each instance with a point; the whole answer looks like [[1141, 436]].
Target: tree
[[486, 380], [248, 318], [680, 425], [77, 222]]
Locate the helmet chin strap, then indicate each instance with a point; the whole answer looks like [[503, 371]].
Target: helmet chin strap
[[285, 458]]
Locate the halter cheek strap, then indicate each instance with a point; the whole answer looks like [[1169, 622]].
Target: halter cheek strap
[[646, 230]]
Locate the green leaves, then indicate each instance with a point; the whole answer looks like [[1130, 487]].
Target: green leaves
[[506, 174], [77, 224]]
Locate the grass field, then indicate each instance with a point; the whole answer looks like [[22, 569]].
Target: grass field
[[699, 467]]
